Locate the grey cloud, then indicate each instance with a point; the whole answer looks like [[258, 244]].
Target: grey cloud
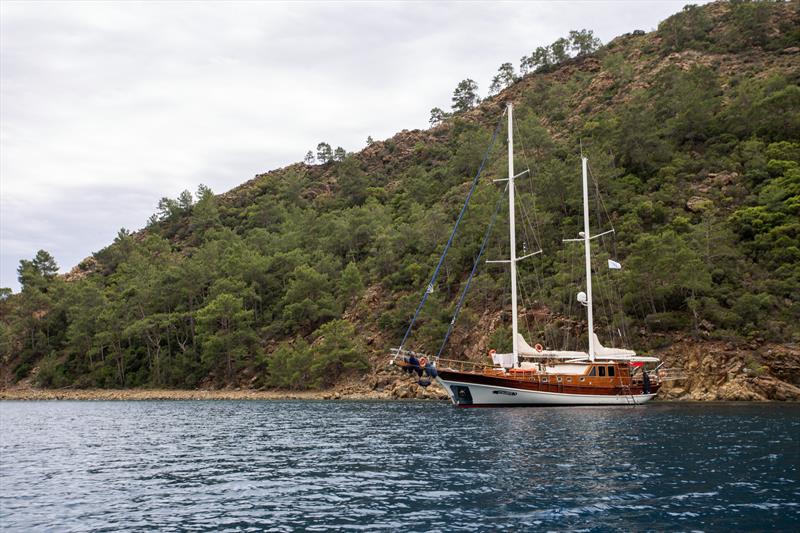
[[106, 107]]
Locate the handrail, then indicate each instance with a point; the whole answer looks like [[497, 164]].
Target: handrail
[[402, 351], [656, 378], [471, 366], [463, 366]]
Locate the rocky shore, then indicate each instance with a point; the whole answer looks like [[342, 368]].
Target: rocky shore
[[727, 371], [155, 394], [381, 386]]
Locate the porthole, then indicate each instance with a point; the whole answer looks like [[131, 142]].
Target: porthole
[[559, 379]]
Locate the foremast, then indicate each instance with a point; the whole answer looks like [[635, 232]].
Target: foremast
[[512, 234]]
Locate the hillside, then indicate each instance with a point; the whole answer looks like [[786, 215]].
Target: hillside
[[287, 281]]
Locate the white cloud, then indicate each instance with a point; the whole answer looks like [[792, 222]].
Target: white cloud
[[106, 107]]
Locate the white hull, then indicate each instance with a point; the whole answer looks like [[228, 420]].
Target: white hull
[[499, 396]]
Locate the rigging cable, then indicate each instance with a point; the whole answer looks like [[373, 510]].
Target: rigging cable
[[527, 303], [534, 225], [472, 273], [613, 289], [604, 301], [429, 288], [524, 297], [532, 222], [568, 340]]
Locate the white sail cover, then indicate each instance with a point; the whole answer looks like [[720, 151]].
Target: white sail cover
[[525, 349], [600, 352]]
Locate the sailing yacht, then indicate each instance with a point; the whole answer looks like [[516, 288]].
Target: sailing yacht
[[535, 375]]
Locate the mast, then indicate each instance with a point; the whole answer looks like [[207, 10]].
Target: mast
[[512, 234], [586, 243]]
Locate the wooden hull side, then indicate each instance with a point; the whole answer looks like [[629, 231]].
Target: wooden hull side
[[472, 389]]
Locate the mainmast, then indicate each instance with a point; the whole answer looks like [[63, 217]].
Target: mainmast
[[512, 234], [586, 243]]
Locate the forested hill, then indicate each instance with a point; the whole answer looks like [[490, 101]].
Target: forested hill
[[307, 274]]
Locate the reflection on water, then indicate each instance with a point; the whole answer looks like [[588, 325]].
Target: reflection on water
[[283, 466]]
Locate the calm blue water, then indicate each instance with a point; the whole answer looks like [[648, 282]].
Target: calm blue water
[[303, 465]]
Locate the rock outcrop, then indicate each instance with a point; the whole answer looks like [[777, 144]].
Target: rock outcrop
[[724, 371]]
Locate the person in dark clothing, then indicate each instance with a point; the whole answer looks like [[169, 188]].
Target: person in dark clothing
[[645, 382]]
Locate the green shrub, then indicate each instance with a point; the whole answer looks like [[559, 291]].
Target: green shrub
[[669, 321], [22, 370], [290, 366], [335, 352], [51, 373]]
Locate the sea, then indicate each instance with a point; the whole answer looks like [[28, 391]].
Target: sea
[[396, 466]]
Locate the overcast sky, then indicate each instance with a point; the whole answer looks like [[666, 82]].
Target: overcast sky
[[107, 107]]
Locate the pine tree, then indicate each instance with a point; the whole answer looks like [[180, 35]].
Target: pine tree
[[224, 329], [437, 116], [505, 77], [465, 96], [185, 201], [495, 86], [351, 285], [559, 50], [45, 264], [324, 153], [583, 42]]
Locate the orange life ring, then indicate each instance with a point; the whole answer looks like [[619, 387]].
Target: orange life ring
[[538, 348], [423, 361]]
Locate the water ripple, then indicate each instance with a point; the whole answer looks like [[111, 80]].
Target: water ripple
[[376, 466]]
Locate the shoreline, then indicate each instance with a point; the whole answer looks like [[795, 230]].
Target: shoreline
[[182, 394], [31, 394]]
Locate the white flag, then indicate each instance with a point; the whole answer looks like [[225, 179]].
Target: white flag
[[614, 264]]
